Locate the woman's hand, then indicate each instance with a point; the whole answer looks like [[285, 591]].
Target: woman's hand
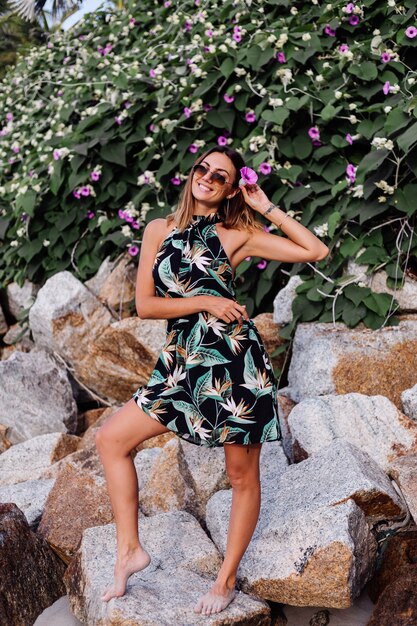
[[226, 309], [255, 197]]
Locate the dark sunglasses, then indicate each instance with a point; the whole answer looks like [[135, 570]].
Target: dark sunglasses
[[218, 179]]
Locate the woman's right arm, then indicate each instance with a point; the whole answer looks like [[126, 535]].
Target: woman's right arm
[[150, 306]]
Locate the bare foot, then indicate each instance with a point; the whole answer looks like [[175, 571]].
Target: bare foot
[[126, 565], [215, 600]]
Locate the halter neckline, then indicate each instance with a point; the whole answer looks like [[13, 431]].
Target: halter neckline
[[210, 217]]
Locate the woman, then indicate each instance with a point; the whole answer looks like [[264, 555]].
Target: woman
[[213, 384]]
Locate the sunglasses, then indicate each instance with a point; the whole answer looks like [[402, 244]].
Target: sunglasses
[[216, 178]]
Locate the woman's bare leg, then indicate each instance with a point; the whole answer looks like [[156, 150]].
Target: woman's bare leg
[[242, 464], [115, 439]]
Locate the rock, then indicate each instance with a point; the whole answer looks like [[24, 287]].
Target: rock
[[144, 463], [284, 299], [269, 332], [115, 285], [31, 574], [30, 496], [20, 298], [156, 442], [27, 460], [78, 500], [313, 543], [5, 443], [409, 402], [397, 605], [66, 317], [372, 423], [167, 488], [122, 357], [272, 464], [285, 406], [184, 565], [58, 614], [18, 338], [334, 359], [3, 323], [398, 559], [32, 405], [404, 471]]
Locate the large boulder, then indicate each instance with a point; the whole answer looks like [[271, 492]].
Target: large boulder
[[30, 496], [115, 284], [372, 423], [31, 573], [313, 543], [284, 299], [334, 359], [35, 396], [184, 565], [20, 298]]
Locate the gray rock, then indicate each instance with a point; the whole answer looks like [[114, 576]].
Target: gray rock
[[372, 423], [27, 460], [35, 396], [183, 567], [284, 299], [30, 496], [3, 324], [20, 298], [409, 402], [144, 462], [313, 543]]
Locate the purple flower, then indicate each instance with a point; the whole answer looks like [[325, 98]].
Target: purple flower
[[192, 148], [349, 8], [250, 117], [135, 225], [118, 119], [167, 3], [314, 132], [316, 143], [176, 180], [209, 32], [354, 20], [248, 176], [90, 214], [329, 30], [265, 168], [262, 264], [349, 138], [187, 26], [16, 149], [24, 217], [385, 57], [411, 32], [343, 48], [237, 37], [121, 214], [9, 117], [386, 87], [152, 73], [129, 218], [132, 20], [351, 173], [187, 112], [95, 176], [207, 107], [133, 250], [56, 155], [84, 191], [76, 194], [228, 98], [281, 57], [222, 140]]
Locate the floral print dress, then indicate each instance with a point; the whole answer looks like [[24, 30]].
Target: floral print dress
[[213, 382]]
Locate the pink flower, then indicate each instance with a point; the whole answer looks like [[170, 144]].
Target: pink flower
[[209, 32], [118, 119], [221, 140], [265, 168], [351, 173], [207, 107], [228, 98], [353, 20], [187, 26], [343, 48], [386, 87], [237, 37], [314, 132], [281, 57], [133, 250], [349, 138], [316, 143], [16, 149], [329, 30], [176, 180], [192, 148], [411, 32], [76, 194], [132, 20], [9, 117], [152, 73], [250, 117], [84, 191], [90, 214], [262, 264], [385, 57], [248, 176], [349, 8], [121, 214], [95, 176], [56, 155], [167, 3], [187, 112]]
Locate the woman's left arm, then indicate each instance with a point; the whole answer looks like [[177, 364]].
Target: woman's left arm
[[301, 246]]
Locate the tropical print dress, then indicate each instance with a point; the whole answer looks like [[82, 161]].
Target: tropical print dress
[[213, 382]]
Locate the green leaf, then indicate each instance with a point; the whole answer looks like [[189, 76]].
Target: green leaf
[[227, 67], [370, 162], [405, 199], [356, 294], [302, 146], [114, 152], [396, 119], [277, 116], [408, 138], [333, 221], [26, 201], [365, 71]]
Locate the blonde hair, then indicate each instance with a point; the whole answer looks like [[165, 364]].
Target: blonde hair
[[235, 212]]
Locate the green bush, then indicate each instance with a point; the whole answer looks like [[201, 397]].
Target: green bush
[[321, 96]]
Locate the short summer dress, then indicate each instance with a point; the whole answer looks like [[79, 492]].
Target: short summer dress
[[213, 382]]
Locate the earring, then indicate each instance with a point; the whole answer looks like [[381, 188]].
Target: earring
[[227, 208]]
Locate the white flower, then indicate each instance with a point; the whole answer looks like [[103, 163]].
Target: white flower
[[285, 75], [382, 142], [306, 37], [319, 78], [357, 191], [387, 109], [353, 106], [293, 10], [322, 230], [14, 243], [46, 242], [394, 88], [353, 119], [338, 95], [382, 199]]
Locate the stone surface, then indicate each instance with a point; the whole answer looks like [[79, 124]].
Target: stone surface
[[404, 471], [397, 604], [313, 543], [409, 402], [18, 338], [34, 405], [372, 423], [3, 323], [122, 357], [283, 300], [58, 614], [20, 298], [115, 285], [184, 564], [78, 500], [5, 443], [269, 331], [31, 574], [285, 406], [334, 359], [30, 496], [144, 464], [27, 460]]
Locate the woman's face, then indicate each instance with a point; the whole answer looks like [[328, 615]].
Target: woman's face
[[207, 191]]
